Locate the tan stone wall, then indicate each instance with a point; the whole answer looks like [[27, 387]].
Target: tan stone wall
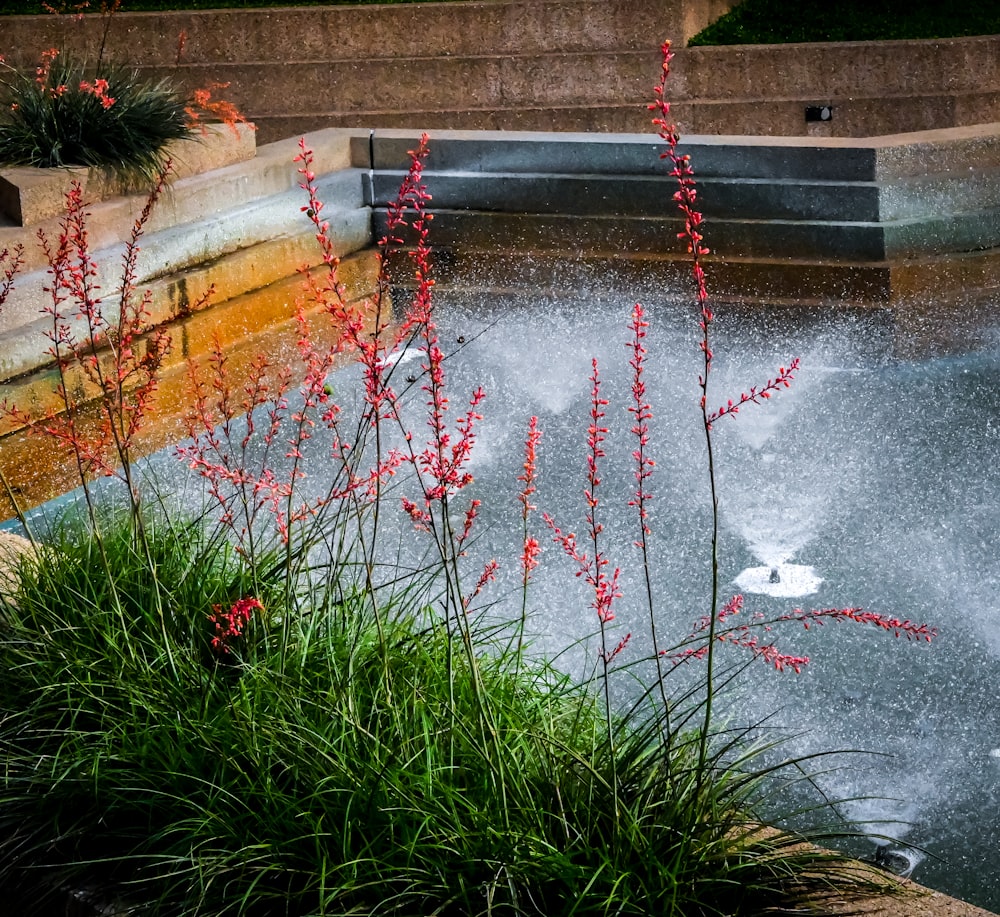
[[576, 64], [874, 87], [534, 65]]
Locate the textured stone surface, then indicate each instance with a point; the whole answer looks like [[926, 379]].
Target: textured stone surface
[[30, 196], [828, 199], [534, 65], [239, 228]]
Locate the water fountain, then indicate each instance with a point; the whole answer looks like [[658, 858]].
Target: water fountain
[[890, 506]]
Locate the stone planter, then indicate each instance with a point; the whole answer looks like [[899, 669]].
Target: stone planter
[[29, 196]]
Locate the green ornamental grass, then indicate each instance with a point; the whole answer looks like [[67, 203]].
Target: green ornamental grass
[[337, 766], [112, 119]]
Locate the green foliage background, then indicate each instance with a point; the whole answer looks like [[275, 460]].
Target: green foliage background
[[780, 21]]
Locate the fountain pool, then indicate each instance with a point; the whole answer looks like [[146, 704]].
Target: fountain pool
[[873, 481]]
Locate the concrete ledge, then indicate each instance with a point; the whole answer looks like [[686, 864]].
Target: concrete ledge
[[832, 199], [30, 196], [877, 158], [199, 196], [237, 228]]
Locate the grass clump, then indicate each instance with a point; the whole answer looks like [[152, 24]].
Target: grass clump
[[755, 22], [337, 766], [113, 119]]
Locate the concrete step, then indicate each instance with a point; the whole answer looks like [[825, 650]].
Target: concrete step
[[874, 159], [608, 119], [348, 33], [860, 115], [837, 69], [646, 275], [495, 191], [487, 80]]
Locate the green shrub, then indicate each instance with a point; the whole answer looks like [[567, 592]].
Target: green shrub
[[780, 21], [336, 766]]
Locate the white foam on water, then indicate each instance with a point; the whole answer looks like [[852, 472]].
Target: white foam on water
[[792, 580]]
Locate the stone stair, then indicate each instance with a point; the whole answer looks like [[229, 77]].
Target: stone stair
[[873, 88], [573, 65], [487, 63]]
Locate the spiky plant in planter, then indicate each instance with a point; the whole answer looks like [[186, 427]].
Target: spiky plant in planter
[[113, 119]]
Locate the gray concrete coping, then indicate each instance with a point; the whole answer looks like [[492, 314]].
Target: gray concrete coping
[[872, 199], [919, 153]]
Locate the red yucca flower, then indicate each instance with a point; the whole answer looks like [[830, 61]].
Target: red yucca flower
[[532, 549], [11, 261], [229, 625], [741, 635], [593, 564], [202, 104]]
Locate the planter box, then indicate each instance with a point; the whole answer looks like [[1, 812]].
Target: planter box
[[29, 196]]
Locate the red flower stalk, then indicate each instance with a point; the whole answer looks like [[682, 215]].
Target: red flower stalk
[[443, 462], [239, 479], [608, 655], [366, 327], [361, 331], [98, 89], [421, 518], [11, 261], [743, 635], [896, 626], [593, 566], [117, 356], [489, 574], [45, 61], [642, 414], [229, 625], [686, 194], [202, 104], [532, 549], [686, 199], [755, 395], [740, 635]]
